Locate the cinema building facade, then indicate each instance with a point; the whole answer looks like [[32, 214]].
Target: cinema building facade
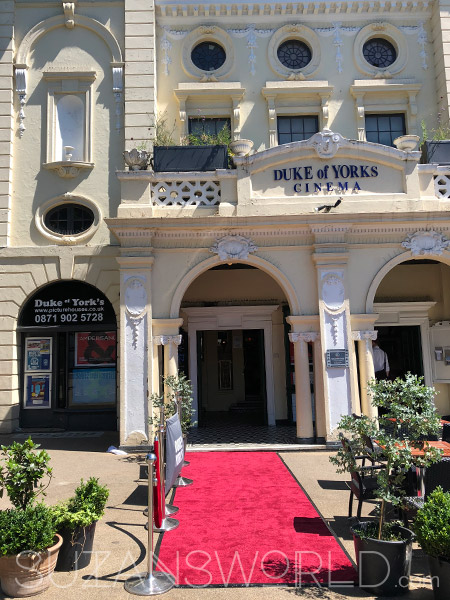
[[265, 280]]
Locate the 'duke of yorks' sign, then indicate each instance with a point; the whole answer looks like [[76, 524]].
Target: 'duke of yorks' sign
[[329, 178]]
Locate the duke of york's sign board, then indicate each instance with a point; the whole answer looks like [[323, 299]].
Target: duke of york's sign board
[[340, 176]]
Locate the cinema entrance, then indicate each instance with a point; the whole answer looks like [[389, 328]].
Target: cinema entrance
[[68, 353]]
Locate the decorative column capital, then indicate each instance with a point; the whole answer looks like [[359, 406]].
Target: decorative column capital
[[304, 336], [164, 340], [370, 334]]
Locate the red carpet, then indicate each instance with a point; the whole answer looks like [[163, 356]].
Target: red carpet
[[245, 520]]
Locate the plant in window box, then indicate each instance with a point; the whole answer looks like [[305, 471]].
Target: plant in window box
[[408, 417], [435, 144], [76, 520], [200, 151]]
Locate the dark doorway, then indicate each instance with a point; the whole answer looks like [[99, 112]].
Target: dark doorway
[[231, 377], [403, 347]]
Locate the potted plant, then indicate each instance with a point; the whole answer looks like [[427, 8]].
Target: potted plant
[[75, 521], [432, 528], [200, 152], [29, 543], [435, 144], [383, 550], [29, 548]]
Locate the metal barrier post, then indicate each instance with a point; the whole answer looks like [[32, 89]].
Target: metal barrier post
[[150, 583], [168, 523]]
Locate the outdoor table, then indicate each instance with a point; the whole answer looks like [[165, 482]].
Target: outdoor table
[[444, 446]]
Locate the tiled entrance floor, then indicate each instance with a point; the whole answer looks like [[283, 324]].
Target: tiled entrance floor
[[242, 434]]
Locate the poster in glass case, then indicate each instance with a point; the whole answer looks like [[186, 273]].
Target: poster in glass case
[[37, 390], [38, 354]]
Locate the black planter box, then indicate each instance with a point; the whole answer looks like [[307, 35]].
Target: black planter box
[[190, 158], [436, 152]]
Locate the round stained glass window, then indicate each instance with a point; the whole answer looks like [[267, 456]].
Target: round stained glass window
[[208, 56], [294, 54], [69, 219], [379, 53]]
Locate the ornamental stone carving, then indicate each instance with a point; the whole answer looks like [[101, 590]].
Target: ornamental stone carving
[[164, 340], [135, 297], [424, 243], [233, 247], [326, 143], [333, 292], [304, 336]]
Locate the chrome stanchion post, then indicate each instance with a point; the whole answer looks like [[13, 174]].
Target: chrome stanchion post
[[150, 583], [168, 523]]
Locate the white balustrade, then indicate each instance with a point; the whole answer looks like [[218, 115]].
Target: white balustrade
[[442, 183], [186, 193]]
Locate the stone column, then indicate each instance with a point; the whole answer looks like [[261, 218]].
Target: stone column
[[366, 368], [305, 430], [170, 343], [319, 397], [135, 349]]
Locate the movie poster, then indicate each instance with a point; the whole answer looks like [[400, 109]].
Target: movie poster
[[37, 390], [38, 352], [97, 348]]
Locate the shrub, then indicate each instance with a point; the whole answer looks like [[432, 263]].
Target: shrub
[[22, 469], [31, 528], [432, 525], [85, 507]]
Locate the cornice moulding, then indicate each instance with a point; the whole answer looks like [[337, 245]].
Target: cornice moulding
[[241, 8]]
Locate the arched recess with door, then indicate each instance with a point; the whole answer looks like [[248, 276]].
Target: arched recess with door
[[411, 295], [68, 348]]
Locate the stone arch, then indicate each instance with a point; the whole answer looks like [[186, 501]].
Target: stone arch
[[44, 27], [397, 260], [254, 261]]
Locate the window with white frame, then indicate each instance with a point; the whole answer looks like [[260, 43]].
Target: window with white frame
[[69, 115], [383, 128], [296, 129]]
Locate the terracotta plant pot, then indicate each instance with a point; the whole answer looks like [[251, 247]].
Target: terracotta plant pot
[[28, 573]]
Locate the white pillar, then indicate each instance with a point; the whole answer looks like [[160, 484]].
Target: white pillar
[[319, 396], [366, 368], [305, 430]]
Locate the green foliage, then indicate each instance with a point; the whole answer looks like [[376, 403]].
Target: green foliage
[[389, 533], [85, 507], [30, 528], [177, 388], [206, 139], [21, 471], [409, 413], [164, 135], [432, 525]]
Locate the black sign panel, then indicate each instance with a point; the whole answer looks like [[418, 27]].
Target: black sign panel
[[68, 303], [337, 358]]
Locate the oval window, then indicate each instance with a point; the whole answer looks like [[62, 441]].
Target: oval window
[[208, 56], [379, 53], [69, 219], [294, 54]]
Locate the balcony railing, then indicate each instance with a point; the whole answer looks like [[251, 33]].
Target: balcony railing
[[442, 183], [190, 192]]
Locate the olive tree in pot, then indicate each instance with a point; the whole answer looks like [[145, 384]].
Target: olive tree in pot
[[384, 549], [432, 528], [75, 520], [29, 543]]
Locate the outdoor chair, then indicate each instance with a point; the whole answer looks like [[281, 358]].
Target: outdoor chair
[[362, 485], [435, 475], [446, 432]]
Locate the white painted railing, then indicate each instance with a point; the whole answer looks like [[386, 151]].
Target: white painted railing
[[442, 183], [195, 191]]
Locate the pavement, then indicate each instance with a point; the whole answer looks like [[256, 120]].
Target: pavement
[[121, 540]]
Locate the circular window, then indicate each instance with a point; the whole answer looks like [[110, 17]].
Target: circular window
[[379, 53], [294, 54], [208, 56], [69, 219]]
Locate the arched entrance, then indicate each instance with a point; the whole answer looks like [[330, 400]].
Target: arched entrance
[[413, 303], [68, 336], [237, 360]]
